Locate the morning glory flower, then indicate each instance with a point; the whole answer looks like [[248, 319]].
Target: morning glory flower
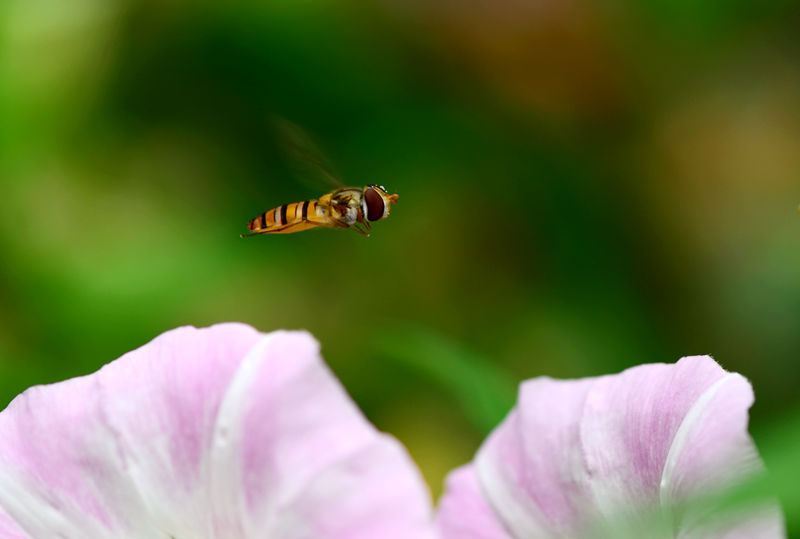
[[221, 432], [614, 456]]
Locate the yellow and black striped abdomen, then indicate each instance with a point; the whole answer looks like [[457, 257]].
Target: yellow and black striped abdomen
[[288, 218]]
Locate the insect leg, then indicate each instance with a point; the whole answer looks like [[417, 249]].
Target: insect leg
[[360, 230]]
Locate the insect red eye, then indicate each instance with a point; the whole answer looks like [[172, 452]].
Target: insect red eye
[[375, 204]]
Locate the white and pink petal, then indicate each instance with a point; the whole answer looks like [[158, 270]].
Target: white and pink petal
[[464, 512], [220, 432], [600, 456]]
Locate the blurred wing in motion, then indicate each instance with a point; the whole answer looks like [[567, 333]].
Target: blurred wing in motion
[[306, 162]]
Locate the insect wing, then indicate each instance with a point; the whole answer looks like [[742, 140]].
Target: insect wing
[[305, 160]]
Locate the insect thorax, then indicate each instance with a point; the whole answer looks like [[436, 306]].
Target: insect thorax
[[345, 205]]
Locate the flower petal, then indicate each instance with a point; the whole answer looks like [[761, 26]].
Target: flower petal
[[712, 450], [222, 432], [532, 465], [629, 424], [463, 512], [312, 466], [9, 529], [580, 457]]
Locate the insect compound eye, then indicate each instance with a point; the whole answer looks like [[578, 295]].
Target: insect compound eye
[[375, 205]]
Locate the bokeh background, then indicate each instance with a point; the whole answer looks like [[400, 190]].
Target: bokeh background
[[584, 186]]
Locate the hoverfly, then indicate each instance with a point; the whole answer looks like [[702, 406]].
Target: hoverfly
[[345, 207]]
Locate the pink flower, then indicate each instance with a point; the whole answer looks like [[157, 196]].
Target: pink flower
[[219, 432], [599, 457]]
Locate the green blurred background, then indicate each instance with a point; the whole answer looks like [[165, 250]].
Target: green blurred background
[[584, 186]]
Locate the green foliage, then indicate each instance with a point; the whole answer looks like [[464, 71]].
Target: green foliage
[[482, 390], [780, 447]]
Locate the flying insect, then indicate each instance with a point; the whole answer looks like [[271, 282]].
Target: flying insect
[[343, 207], [347, 207]]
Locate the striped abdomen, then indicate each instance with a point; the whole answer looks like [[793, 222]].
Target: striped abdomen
[[292, 217]]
